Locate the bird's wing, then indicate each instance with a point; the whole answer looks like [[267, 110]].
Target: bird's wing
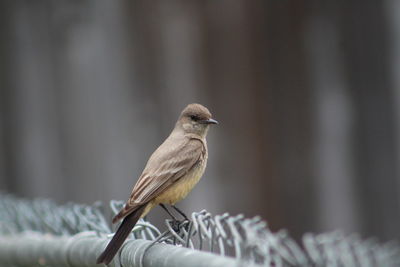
[[163, 170]]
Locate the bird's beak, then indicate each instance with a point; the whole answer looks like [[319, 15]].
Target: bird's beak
[[209, 121]]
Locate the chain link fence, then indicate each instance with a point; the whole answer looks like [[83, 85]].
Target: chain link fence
[[41, 233]]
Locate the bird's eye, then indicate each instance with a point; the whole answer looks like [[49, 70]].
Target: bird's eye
[[194, 117]]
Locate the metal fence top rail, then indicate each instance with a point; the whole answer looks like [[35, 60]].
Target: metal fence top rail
[[247, 241]]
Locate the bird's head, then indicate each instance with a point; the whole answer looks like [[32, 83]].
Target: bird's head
[[196, 119]]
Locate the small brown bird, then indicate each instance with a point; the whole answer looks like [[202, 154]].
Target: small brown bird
[[170, 174]]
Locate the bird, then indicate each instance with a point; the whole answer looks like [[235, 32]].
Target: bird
[[171, 172]]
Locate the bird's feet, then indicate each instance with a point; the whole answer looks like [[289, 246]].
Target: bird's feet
[[177, 225]]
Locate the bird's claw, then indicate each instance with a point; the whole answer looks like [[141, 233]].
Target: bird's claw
[[178, 225]]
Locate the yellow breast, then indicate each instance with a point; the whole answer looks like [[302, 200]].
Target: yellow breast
[[181, 188]]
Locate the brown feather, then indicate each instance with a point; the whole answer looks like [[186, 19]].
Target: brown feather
[[173, 165], [119, 237]]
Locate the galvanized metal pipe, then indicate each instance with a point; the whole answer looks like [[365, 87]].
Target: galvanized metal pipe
[[36, 249]]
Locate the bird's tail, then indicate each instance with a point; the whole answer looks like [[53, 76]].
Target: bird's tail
[[119, 237]]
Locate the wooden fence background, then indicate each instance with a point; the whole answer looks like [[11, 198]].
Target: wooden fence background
[[306, 92]]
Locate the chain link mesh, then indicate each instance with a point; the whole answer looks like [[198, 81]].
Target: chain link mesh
[[248, 240]]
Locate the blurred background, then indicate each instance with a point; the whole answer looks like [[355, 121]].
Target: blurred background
[[307, 94]]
